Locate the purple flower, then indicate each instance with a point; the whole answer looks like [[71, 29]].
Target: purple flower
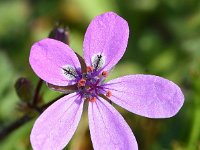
[[104, 44]]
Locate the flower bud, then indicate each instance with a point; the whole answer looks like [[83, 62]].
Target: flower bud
[[24, 89], [60, 34]]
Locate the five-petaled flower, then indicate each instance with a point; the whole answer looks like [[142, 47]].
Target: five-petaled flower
[[104, 44]]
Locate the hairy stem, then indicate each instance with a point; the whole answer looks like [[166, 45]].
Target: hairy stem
[[13, 126], [4, 132], [36, 93]]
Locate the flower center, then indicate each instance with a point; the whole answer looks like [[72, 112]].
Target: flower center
[[89, 80], [89, 86]]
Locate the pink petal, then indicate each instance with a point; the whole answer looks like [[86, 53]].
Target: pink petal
[[47, 59], [108, 129], [107, 35], [146, 95], [56, 126]]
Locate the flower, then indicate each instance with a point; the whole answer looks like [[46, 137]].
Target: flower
[[104, 44]]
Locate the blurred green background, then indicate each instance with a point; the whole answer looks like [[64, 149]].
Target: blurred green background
[[164, 40]]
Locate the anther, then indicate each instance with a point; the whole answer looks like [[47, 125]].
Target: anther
[[81, 82], [89, 69], [108, 93], [104, 74], [93, 99]]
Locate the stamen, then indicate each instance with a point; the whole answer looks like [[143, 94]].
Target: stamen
[[81, 82], [108, 93], [104, 74], [93, 99], [89, 69]]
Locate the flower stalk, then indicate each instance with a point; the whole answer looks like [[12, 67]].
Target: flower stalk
[[30, 98]]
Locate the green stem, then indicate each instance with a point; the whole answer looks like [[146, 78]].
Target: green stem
[[37, 91]]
